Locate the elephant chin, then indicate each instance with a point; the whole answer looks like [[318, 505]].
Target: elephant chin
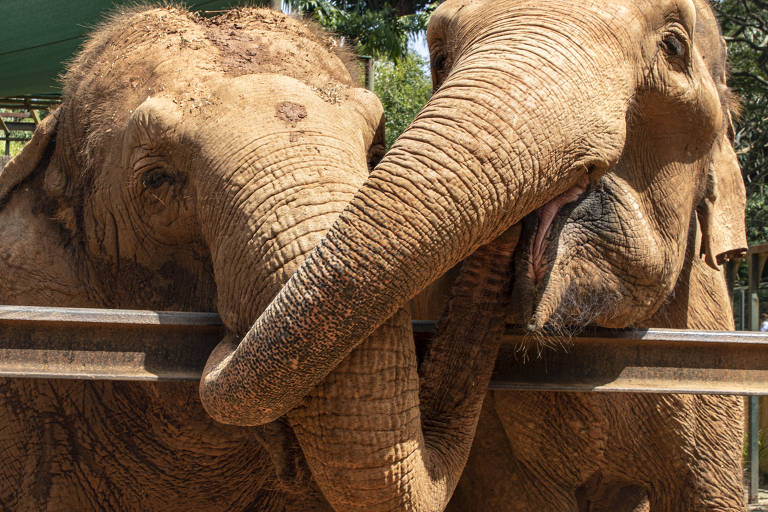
[[564, 307], [559, 288]]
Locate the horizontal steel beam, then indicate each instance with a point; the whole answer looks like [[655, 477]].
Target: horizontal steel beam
[[65, 343], [23, 127], [645, 361]]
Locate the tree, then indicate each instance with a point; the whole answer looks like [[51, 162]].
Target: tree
[[375, 27], [745, 27], [403, 88]]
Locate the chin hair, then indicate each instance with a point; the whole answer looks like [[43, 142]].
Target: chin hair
[[577, 310]]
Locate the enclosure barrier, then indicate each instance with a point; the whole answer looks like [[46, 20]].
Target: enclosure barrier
[[106, 344]]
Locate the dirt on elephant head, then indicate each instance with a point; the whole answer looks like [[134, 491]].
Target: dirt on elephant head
[[290, 112], [241, 41], [140, 52]]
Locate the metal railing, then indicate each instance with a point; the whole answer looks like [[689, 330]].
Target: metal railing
[[66, 343], [100, 344]]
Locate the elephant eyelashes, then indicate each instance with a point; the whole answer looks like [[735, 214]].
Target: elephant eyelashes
[[439, 66], [439, 62], [672, 45], [156, 178]]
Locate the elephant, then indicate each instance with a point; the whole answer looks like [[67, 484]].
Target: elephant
[[624, 452], [602, 128], [192, 164]]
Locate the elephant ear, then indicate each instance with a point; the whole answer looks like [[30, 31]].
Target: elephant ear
[[372, 112], [31, 156], [721, 212]]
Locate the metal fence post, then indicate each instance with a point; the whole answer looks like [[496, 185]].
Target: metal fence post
[[756, 262], [754, 452], [369, 74], [7, 133], [754, 299]]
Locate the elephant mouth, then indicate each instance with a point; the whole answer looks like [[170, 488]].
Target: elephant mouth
[[538, 264]]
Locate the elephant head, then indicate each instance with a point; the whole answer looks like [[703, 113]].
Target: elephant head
[[536, 103], [611, 253], [192, 162], [191, 165]]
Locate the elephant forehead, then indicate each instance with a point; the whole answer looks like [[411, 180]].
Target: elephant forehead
[[286, 102], [624, 12]]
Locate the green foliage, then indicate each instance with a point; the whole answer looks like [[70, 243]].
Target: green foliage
[[757, 214], [403, 88], [745, 27], [377, 28]]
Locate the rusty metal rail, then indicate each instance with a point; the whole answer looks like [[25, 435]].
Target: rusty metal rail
[[65, 343]]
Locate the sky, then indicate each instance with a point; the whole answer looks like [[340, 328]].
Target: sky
[[418, 44]]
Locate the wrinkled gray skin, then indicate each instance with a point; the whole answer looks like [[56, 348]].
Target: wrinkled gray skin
[[617, 107], [191, 166], [620, 452]]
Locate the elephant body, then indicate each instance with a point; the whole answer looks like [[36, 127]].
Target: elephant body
[[77, 445], [191, 166], [614, 452], [74, 234], [622, 452]]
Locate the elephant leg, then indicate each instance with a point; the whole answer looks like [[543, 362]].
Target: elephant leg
[[496, 480]]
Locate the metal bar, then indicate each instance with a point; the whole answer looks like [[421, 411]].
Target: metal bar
[[754, 453], [15, 115], [644, 361], [27, 127], [105, 344], [161, 346]]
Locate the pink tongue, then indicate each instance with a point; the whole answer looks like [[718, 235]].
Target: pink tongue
[[546, 214]]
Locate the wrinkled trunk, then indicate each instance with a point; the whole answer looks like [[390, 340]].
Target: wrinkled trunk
[[477, 159], [451, 183], [374, 439]]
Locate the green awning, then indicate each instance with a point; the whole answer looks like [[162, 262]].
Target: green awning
[[38, 36]]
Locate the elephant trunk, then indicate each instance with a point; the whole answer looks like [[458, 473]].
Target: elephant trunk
[[375, 439], [504, 135]]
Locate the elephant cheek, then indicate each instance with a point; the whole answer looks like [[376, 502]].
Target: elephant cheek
[[599, 280]]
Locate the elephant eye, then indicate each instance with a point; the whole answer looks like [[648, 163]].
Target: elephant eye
[[156, 178], [439, 62], [672, 45]]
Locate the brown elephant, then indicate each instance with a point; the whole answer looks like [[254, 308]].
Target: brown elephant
[[603, 126], [192, 164], [622, 452]]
